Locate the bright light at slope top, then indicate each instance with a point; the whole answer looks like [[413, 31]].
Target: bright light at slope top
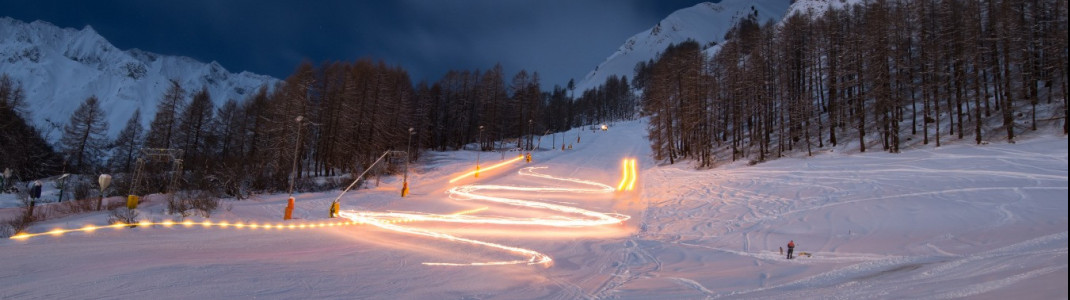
[[471, 192], [628, 178]]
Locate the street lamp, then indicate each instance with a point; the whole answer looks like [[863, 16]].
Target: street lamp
[[297, 147], [288, 213], [479, 149], [4, 181], [408, 157]]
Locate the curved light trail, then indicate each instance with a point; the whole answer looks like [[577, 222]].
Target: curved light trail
[[567, 216]]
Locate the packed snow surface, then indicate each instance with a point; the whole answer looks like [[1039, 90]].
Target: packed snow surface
[[984, 221]]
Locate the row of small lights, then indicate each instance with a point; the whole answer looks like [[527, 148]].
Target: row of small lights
[[222, 224], [189, 223]]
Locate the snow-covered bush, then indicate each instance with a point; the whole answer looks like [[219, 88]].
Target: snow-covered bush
[[123, 215]]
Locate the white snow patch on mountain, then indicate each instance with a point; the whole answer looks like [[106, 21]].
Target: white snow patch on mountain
[[706, 23], [61, 67]]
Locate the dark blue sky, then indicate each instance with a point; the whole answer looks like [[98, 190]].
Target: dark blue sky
[[560, 39]]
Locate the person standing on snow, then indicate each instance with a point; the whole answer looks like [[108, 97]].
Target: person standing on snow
[[791, 248]]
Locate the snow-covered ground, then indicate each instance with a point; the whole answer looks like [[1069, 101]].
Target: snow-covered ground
[[958, 221]]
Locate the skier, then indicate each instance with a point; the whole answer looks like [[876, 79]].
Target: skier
[[791, 248]]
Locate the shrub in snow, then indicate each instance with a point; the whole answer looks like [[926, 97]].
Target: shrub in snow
[[200, 202], [203, 202], [76, 206], [123, 215]]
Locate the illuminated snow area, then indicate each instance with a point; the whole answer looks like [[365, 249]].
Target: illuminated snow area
[[956, 221]]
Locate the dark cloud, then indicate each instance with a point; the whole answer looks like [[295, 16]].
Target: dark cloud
[[560, 39]]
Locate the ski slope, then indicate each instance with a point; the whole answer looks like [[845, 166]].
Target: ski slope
[[958, 221]]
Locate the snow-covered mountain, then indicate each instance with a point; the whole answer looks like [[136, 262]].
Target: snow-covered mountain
[[818, 7], [705, 23], [61, 67]]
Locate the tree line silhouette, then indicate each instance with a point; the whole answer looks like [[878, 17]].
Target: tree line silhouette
[[872, 74], [350, 112]]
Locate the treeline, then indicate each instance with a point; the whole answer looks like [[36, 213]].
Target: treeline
[[23, 150], [872, 73], [327, 121]]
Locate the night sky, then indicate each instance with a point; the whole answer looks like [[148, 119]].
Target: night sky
[[560, 39]]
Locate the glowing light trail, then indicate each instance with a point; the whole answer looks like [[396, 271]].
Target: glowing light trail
[[568, 217], [473, 172], [635, 174], [390, 220], [208, 224]]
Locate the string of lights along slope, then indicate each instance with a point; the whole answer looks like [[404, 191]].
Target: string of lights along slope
[[210, 224]]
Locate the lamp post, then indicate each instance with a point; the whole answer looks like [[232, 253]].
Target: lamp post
[[408, 157], [4, 181], [288, 213], [104, 180], [479, 149], [62, 185], [297, 147]]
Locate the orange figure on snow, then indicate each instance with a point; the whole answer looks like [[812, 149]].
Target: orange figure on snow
[[791, 248]]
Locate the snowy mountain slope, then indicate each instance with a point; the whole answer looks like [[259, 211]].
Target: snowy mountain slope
[[958, 221], [61, 67], [818, 7], [706, 23]]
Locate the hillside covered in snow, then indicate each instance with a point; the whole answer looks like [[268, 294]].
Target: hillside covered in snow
[[706, 23], [958, 221], [61, 67]]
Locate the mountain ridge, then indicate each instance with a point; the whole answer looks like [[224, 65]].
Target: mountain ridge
[[706, 23], [59, 68]]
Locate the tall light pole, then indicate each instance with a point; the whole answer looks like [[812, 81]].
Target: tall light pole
[[408, 157], [288, 213], [297, 147], [6, 180], [479, 149]]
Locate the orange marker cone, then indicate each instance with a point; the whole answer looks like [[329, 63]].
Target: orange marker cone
[[334, 209], [288, 214]]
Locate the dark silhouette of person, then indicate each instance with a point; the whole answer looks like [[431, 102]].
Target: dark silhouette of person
[[791, 248]]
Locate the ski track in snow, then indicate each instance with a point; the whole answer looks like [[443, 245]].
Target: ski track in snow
[[1009, 189], [477, 192]]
